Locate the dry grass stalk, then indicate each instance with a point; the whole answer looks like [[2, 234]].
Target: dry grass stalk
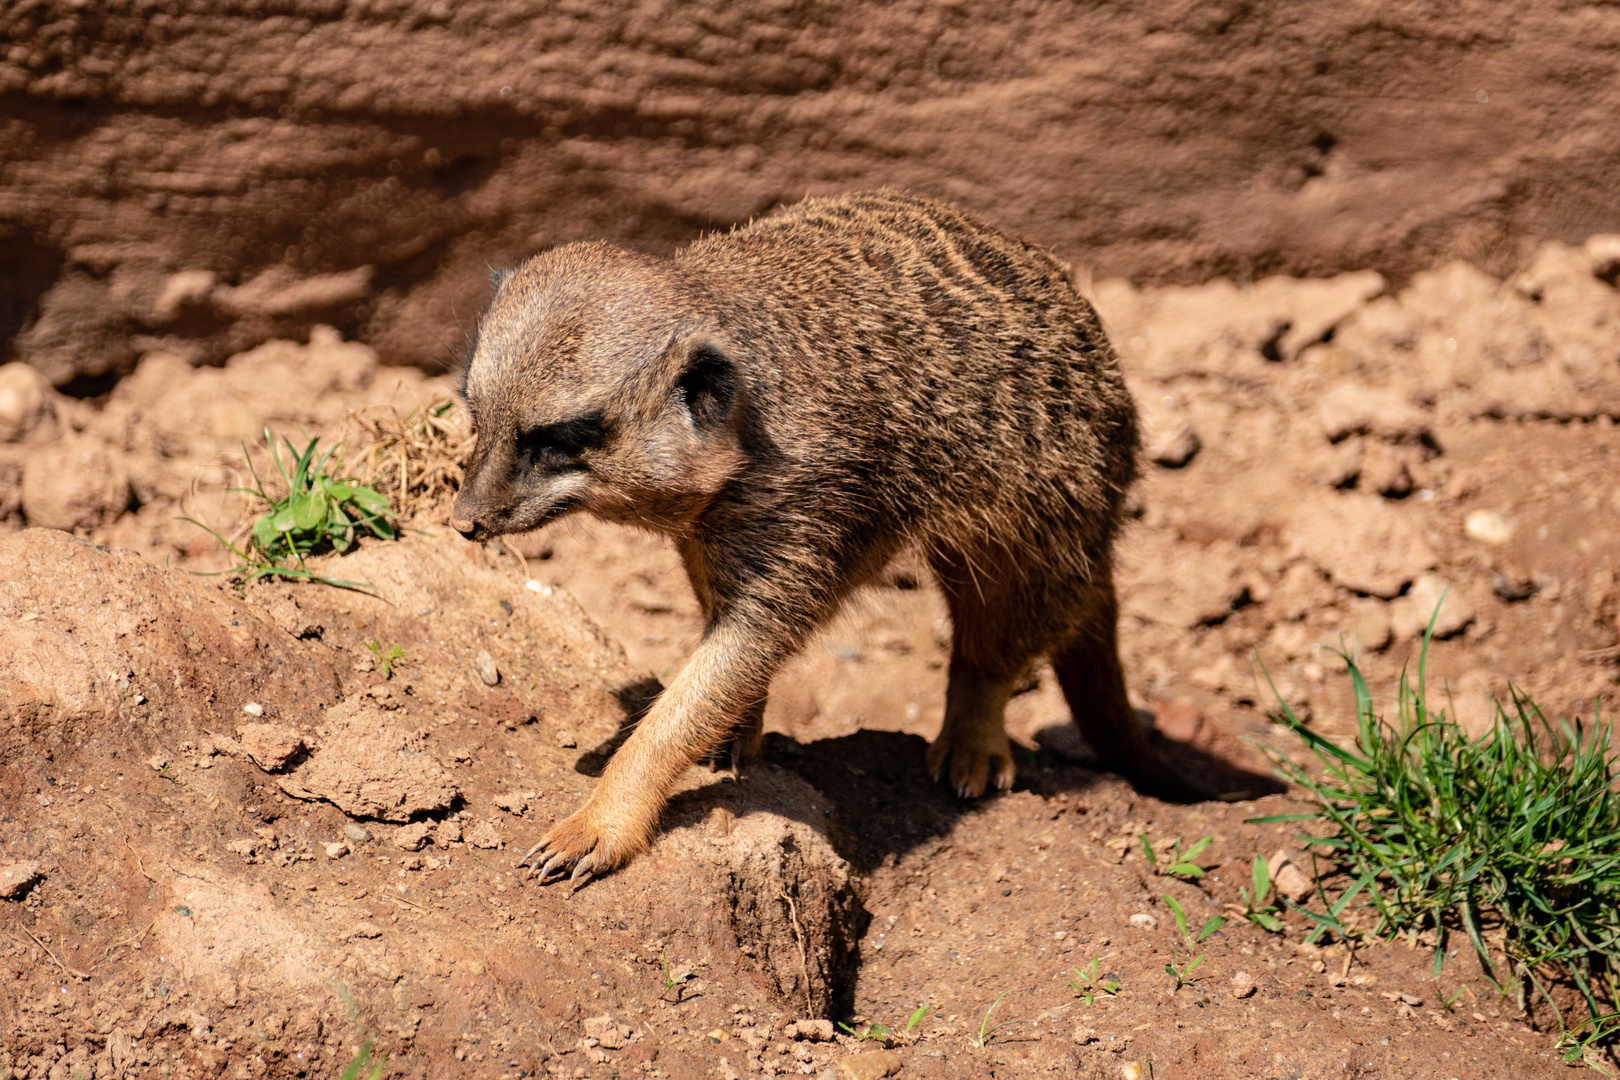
[[414, 458]]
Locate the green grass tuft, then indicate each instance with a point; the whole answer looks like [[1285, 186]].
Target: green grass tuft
[[1511, 838], [320, 512]]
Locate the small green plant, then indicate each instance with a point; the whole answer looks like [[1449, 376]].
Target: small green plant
[[1176, 863], [368, 1062], [319, 513], [670, 983], [1088, 984], [979, 1041], [1518, 827], [1264, 917], [882, 1032], [385, 661], [1190, 939], [1183, 974]]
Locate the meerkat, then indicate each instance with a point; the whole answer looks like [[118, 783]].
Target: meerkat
[[795, 402]]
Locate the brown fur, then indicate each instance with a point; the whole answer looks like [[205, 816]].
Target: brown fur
[[794, 403]]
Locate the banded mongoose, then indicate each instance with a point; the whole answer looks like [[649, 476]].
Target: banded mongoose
[[794, 402]]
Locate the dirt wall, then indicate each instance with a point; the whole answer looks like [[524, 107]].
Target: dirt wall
[[204, 174]]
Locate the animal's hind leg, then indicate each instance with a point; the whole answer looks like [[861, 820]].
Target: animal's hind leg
[[744, 743], [1088, 670], [991, 648]]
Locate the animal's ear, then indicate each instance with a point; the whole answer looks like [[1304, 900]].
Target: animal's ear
[[708, 385]]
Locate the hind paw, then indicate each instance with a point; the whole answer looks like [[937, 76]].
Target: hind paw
[[971, 768]]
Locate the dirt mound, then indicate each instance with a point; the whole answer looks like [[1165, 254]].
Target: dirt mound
[[199, 904], [201, 177]]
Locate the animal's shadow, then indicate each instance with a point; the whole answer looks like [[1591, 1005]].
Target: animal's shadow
[[877, 799]]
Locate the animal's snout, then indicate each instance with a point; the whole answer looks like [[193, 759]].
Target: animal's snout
[[465, 520], [472, 530]]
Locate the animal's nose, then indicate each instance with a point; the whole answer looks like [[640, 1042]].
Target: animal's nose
[[468, 526]]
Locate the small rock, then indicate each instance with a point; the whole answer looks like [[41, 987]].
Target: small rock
[[1410, 614], [1511, 591], [157, 762], [25, 402], [412, 837], [488, 673], [567, 739], [1132, 1070], [1242, 984], [1489, 527], [267, 837], [366, 929], [244, 848], [1288, 878], [15, 877], [608, 1033], [872, 1065], [270, 746], [1143, 921], [358, 834], [337, 849], [513, 802], [484, 834], [810, 1030], [448, 832], [253, 708], [1170, 440], [1083, 1034]]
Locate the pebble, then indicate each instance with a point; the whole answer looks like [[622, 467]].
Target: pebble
[[1143, 921], [872, 1065], [157, 762], [810, 1030], [25, 402], [608, 1033], [488, 673], [513, 802], [537, 587], [484, 834], [1489, 527], [1288, 878], [1242, 984], [337, 849], [15, 877], [448, 832], [359, 834], [1132, 1070], [253, 708], [270, 746], [412, 837]]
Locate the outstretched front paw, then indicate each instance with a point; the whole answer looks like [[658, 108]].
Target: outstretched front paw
[[586, 842]]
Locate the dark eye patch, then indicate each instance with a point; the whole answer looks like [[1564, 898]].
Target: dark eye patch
[[559, 445]]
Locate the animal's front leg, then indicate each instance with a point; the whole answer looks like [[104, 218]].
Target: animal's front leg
[[726, 675]]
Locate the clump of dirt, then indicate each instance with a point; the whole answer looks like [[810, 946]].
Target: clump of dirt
[[197, 905], [192, 823]]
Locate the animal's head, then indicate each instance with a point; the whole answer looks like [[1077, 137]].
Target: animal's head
[[598, 381]]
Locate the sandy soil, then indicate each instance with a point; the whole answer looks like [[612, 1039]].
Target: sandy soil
[[252, 846]]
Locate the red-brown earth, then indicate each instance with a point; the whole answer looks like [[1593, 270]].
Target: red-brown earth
[[1326, 458]]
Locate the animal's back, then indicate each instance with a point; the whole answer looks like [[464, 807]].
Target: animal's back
[[934, 368]]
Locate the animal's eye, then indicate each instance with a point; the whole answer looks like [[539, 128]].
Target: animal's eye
[[560, 445]]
